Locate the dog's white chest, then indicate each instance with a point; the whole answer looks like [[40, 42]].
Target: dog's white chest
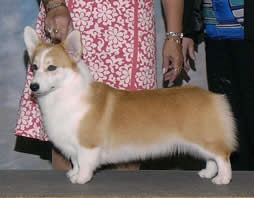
[[62, 121]]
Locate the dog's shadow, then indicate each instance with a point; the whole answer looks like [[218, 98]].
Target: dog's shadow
[[174, 162]]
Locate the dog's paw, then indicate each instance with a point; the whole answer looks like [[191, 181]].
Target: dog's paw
[[71, 173], [80, 178], [219, 180], [207, 173]]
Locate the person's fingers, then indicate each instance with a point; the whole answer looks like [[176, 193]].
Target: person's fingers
[[56, 33], [58, 27], [187, 65], [171, 76], [185, 51], [166, 63], [65, 29], [49, 25], [56, 36], [185, 58], [186, 62], [191, 52], [172, 59], [177, 64], [173, 66], [48, 30], [51, 30]]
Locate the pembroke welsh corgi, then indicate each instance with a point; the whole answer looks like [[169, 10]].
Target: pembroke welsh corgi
[[93, 124]]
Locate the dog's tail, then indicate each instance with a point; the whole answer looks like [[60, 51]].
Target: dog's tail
[[227, 120]]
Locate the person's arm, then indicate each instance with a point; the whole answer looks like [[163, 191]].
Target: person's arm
[[58, 22], [174, 14], [188, 43], [172, 50], [48, 3]]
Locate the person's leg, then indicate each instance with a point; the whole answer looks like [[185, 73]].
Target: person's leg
[[59, 162], [243, 60], [219, 67], [220, 70]]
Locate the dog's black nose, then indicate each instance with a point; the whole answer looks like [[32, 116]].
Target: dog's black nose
[[34, 87]]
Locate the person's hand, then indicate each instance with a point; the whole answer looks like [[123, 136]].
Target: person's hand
[[58, 24], [172, 59], [188, 52]]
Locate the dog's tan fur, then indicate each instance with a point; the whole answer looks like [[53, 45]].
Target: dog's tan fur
[[147, 117], [115, 125]]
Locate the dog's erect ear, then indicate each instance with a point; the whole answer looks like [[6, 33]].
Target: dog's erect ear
[[31, 40], [73, 45]]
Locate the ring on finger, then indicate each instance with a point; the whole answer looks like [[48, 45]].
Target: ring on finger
[[55, 31], [177, 69]]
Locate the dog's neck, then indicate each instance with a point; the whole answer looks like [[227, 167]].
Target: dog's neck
[[77, 83], [84, 72]]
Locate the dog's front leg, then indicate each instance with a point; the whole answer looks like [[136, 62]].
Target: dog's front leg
[[87, 161], [75, 169]]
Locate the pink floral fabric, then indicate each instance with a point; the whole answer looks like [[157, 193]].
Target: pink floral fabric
[[118, 39]]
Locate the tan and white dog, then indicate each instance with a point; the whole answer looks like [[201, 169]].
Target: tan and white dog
[[94, 124]]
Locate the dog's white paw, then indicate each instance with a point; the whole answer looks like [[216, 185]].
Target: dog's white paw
[[210, 171], [219, 180], [80, 178], [71, 173], [206, 173]]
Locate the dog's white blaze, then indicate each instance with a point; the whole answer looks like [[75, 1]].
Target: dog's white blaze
[[40, 76], [43, 56]]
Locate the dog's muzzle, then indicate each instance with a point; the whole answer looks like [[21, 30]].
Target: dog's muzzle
[[34, 87]]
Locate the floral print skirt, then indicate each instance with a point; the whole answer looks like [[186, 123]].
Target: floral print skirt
[[118, 39]]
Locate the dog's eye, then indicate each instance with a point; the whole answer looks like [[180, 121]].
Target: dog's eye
[[52, 68], [34, 67]]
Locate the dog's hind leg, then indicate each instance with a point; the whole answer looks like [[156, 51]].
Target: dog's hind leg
[[217, 156], [224, 175], [210, 171]]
